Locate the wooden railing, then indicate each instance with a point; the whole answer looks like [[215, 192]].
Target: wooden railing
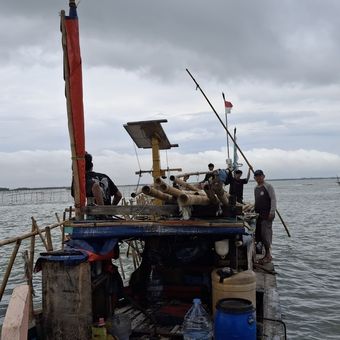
[[46, 238]]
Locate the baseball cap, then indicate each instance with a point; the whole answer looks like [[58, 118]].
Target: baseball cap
[[258, 173]]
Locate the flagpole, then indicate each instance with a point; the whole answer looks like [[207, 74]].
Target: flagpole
[[235, 152], [231, 137], [226, 124]]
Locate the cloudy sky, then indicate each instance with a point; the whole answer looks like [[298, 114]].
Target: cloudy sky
[[277, 61]]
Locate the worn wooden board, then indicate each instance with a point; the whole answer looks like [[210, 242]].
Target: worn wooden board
[[66, 300], [150, 224], [266, 283], [15, 326], [161, 210]]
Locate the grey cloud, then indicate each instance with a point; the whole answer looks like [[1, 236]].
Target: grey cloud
[[291, 41]]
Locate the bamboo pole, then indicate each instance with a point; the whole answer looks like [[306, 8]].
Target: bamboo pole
[[49, 239], [186, 199], [63, 239], [29, 280], [70, 213], [158, 181], [30, 268], [185, 184], [234, 141], [32, 248], [135, 194], [28, 235], [40, 233], [9, 268], [284, 224], [58, 219], [197, 173], [62, 232], [148, 190], [170, 190]]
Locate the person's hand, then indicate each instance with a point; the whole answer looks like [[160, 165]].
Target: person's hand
[[271, 216]]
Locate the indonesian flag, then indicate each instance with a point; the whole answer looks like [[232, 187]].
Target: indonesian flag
[[228, 106]]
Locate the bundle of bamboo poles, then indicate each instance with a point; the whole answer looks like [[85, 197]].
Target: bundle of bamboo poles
[[186, 194]]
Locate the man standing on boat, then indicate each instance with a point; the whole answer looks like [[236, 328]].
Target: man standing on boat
[[265, 206], [236, 185], [209, 174], [99, 187]]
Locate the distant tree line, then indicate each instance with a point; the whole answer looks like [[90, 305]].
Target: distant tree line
[[41, 188]]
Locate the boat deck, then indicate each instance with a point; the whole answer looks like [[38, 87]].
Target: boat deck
[[269, 322]]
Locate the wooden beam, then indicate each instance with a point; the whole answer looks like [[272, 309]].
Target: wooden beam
[[151, 224], [165, 210]]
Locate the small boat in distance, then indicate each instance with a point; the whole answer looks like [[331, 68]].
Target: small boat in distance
[[338, 180]]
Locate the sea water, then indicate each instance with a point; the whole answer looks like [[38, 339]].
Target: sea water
[[307, 263]]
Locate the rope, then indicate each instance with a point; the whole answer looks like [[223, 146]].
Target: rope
[[139, 167], [167, 165]]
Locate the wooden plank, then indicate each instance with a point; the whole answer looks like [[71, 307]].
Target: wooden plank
[[66, 301], [266, 283], [164, 210], [151, 224], [15, 326]]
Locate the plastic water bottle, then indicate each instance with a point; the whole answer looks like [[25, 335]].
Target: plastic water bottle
[[197, 323], [155, 287]]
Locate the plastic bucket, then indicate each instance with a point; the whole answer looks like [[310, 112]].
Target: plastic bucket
[[235, 319], [241, 285]]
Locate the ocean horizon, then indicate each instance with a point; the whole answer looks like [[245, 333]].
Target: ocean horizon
[[142, 184]]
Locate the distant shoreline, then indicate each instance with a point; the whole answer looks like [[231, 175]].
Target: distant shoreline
[[40, 188], [69, 188]]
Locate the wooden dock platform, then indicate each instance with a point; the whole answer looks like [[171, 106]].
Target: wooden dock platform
[[267, 295]]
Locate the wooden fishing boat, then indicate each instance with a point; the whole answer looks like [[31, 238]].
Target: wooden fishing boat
[[185, 243]]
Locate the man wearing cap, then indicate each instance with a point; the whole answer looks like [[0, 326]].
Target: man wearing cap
[[265, 206], [236, 185]]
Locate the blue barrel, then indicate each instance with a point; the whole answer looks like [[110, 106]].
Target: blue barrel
[[235, 319]]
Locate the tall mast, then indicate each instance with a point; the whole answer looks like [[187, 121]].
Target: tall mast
[[74, 103]]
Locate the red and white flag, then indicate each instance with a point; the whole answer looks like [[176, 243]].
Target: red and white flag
[[228, 106]]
